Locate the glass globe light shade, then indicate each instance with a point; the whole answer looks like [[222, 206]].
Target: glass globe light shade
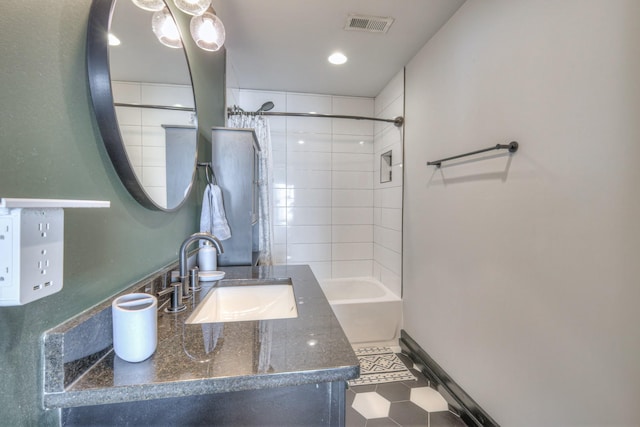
[[193, 7], [150, 5], [113, 40], [165, 28], [207, 31]]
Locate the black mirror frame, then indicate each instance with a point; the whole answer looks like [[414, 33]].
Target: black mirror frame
[[103, 105]]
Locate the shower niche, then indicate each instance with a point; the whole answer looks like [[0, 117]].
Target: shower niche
[[234, 159], [386, 164]]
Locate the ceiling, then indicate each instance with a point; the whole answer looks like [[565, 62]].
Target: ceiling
[[140, 57], [284, 44]]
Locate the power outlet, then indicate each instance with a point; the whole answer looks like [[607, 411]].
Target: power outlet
[[6, 253], [31, 254]]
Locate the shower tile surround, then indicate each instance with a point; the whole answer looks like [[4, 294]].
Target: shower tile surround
[[141, 131], [330, 210]]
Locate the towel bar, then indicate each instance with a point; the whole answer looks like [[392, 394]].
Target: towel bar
[[512, 147]]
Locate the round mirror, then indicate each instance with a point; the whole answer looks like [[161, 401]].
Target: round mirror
[[143, 99]]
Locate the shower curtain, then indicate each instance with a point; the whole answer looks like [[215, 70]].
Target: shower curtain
[[265, 181]]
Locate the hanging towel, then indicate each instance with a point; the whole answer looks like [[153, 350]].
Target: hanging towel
[[212, 218]]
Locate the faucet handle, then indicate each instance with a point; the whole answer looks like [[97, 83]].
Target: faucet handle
[[176, 299], [164, 291]]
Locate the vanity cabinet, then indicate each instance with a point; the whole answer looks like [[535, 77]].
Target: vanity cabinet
[[276, 372], [304, 405]]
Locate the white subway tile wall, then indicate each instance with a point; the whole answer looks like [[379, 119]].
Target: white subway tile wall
[[387, 198], [143, 137], [329, 209]]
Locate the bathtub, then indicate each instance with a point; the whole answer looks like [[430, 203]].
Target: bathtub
[[367, 311]]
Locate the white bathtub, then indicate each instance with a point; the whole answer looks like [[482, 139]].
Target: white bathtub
[[367, 311]]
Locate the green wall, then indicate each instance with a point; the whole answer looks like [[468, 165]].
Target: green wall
[[51, 148]]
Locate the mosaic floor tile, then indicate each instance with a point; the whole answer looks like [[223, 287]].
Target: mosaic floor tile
[[403, 403], [394, 392], [380, 365], [428, 399], [371, 405], [445, 419], [408, 414]]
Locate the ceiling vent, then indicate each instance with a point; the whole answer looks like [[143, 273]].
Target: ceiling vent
[[370, 24]]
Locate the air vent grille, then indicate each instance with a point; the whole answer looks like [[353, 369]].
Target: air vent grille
[[371, 24]]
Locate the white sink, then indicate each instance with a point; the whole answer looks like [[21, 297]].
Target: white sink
[[243, 300]]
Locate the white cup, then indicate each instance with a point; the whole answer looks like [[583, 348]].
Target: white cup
[[135, 332]]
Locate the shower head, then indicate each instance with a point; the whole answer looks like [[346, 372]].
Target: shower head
[[266, 107]]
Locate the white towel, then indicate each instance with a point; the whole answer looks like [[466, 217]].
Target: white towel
[[212, 218]]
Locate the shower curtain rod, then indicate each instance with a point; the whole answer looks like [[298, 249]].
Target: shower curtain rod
[[156, 107], [397, 121]]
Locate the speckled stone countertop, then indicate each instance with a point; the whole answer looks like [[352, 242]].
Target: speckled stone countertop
[[206, 358]]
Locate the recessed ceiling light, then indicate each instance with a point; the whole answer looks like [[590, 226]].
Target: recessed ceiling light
[[337, 58], [113, 40]]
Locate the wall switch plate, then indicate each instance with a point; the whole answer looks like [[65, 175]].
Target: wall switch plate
[[31, 254]]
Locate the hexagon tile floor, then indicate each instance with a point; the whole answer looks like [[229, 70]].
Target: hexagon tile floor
[[404, 403]]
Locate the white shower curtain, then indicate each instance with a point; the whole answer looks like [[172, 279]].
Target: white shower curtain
[[265, 181]]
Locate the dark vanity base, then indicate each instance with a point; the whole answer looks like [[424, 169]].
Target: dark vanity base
[[310, 405]]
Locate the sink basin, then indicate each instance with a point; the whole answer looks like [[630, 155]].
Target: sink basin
[[243, 300]]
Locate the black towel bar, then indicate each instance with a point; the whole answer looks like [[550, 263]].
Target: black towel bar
[[512, 147]]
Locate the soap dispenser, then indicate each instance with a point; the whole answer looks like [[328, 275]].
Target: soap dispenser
[[207, 257]]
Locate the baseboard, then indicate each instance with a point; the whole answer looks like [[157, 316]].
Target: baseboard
[[468, 409]]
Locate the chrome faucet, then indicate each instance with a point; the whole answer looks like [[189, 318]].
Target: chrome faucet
[[184, 276], [180, 289]]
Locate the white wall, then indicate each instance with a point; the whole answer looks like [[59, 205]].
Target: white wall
[[387, 196], [521, 275], [232, 93]]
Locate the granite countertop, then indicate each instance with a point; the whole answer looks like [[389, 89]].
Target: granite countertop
[[215, 357]]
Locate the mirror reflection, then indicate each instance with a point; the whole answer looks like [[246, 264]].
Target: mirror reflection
[[154, 105]]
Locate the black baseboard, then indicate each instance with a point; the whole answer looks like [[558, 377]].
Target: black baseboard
[[468, 409]]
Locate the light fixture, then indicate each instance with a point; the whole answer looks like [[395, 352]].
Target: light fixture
[[113, 40], [207, 31], [337, 58], [165, 28], [150, 5], [193, 7]]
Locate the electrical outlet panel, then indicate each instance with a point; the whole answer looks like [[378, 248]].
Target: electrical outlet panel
[[31, 254], [32, 245]]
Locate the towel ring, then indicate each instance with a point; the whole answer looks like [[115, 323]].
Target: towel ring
[[208, 173]]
